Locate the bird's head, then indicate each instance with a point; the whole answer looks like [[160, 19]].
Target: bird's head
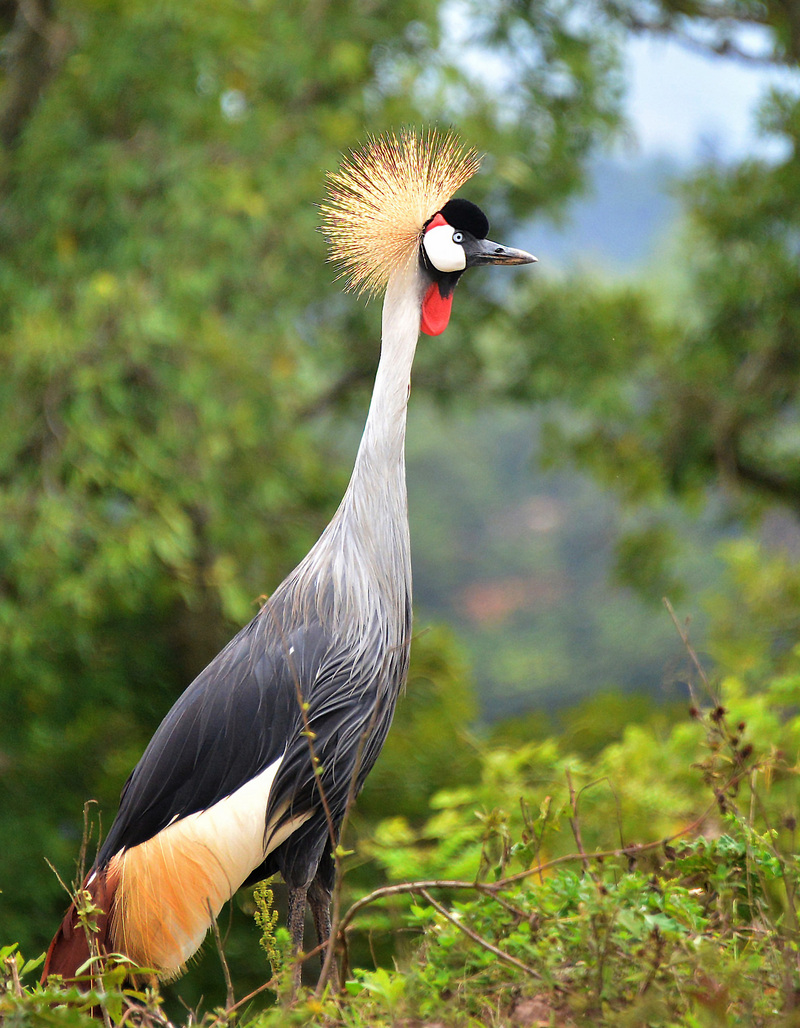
[[453, 240], [390, 211]]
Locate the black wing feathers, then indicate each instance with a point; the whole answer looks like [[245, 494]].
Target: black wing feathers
[[350, 713], [243, 712], [231, 723]]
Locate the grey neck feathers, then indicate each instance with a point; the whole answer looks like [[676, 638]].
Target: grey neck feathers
[[360, 569]]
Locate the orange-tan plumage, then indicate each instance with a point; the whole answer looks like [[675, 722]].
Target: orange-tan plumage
[[163, 903], [382, 195], [172, 886]]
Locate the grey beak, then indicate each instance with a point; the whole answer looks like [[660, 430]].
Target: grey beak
[[487, 252]]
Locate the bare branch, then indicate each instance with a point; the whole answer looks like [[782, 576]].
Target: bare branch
[[481, 941], [725, 47], [223, 1019], [574, 823], [689, 649], [780, 487]]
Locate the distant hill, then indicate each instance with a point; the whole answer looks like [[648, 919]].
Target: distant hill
[[619, 223], [520, 562]]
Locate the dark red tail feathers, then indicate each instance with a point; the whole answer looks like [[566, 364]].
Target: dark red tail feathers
[[70, 948]]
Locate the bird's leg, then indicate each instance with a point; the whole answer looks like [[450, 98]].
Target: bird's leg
[[296, 923], [319, 899], [321, 909]]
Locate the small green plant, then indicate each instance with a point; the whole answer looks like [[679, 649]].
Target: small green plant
[[266, 917]]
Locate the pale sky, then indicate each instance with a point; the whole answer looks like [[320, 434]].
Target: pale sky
[[678, 98], [680, 102]]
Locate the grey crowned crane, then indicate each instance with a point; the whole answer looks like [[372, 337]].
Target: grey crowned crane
[[251, 771]]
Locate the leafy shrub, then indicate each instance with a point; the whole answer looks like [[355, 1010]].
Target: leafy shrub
[[654, 885]]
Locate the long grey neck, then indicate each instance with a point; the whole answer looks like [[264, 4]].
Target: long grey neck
[[381, 456], [364, 554]]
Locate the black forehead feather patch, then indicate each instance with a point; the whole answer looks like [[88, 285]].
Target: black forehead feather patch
[[467, 216]]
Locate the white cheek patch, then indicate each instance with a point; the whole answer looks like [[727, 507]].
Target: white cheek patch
[[443, 253]]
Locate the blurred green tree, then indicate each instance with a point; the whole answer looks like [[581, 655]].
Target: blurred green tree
[[170, 340], [687, 384]]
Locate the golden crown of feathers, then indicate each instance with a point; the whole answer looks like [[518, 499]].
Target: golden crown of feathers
[[382, 195]]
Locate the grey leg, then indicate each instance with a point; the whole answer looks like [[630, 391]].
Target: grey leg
[[296, 923], [319, 899]]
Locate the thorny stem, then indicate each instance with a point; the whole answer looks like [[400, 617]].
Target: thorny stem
[[574, 823], [61, 882], [317, 771], [689, 649], [337, 896], [223, 1017], [307, 730], [81, 899], [351, 795], [104, 1012], [13, 970], [85, 839]]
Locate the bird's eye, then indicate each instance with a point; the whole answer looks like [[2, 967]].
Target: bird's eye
[[458, 237]]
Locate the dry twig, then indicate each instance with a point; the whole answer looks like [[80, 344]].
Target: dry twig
[[476, 937], [230, 996]]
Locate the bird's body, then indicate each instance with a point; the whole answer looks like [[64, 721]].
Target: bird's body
[[252, 770]]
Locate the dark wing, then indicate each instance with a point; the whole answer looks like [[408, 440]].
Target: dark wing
[[349, 713], [233, 721]]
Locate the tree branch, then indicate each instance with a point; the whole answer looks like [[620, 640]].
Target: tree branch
[[36, 46], [779, 487], [722, 47], [476, 937]]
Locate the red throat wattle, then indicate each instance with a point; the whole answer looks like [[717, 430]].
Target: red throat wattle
[[435, 307], [435, 311]]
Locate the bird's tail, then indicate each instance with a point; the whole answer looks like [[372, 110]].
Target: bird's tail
[[85, 930]]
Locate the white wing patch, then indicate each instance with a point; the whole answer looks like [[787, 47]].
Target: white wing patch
[[172, 886]]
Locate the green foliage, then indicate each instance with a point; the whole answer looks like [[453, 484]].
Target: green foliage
[[754, 618], [26, 1006], [560, 912], [687, 389], [611, 946], [578, 897]]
